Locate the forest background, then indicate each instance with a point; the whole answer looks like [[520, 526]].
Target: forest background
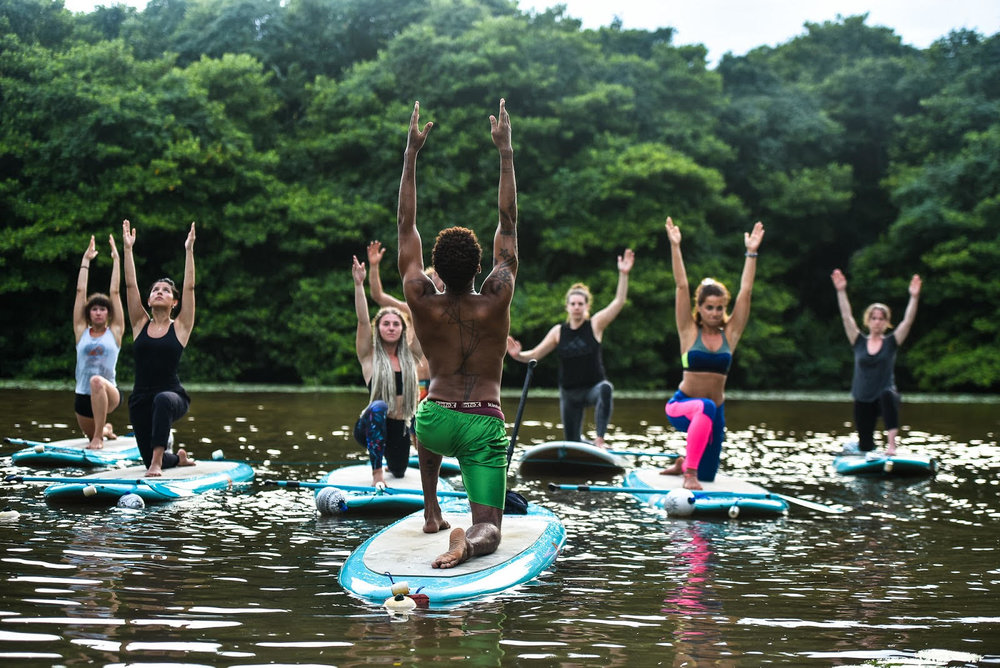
[[279, 127]]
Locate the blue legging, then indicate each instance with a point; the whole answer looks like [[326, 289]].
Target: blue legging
[[384, 438], [709, 465]]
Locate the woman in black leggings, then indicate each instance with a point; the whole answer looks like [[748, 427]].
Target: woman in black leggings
[[158, 400]]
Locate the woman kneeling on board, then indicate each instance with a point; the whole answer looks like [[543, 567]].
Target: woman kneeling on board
[[708, 340], [98, 323], [577, 342], [390, 371], [874, 385], [158, 400]]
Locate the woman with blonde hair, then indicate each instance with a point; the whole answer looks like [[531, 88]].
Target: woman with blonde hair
[[874, 385], [389, 368], [98, 323], [577, 342], [708, 338]]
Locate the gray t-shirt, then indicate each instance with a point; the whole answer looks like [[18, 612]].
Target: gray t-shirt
[[873, 374]]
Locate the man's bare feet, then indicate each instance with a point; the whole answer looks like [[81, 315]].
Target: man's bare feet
[[674, 469], [184, 459], [96, 443], [691, 480], [434, 524], [459, 551]]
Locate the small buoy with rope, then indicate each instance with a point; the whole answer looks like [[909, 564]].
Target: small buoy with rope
[[679, 502]]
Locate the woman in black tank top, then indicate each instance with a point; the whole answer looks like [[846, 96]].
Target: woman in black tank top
[[577, 342], [157, 398]]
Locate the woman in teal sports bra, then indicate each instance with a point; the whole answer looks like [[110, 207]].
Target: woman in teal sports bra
[[708, 340]]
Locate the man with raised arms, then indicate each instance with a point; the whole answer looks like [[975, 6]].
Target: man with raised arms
[[464, 336]]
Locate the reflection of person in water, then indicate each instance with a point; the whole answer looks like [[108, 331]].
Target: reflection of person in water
[[692, 605]]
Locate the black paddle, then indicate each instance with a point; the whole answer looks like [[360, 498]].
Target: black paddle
[[514, 503]]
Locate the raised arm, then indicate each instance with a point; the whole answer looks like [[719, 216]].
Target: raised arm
[[363, 338], [544, 347], [375, 253], [79, 317], [741, 310], [411, 260], [903, 328], [136, 313], [606, 315], [117, 321], [501, 278], [850, 326], [184, 322], [687, 330]]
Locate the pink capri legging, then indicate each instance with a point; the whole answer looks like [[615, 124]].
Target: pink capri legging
[[705, 424]]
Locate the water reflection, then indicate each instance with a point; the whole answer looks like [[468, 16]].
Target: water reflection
[[251, 578]]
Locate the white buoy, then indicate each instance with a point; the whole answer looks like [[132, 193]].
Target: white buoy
[[9, 515], [400, 604], [331, 501], [132, 502], [218, 455], [734, 511], [400, 588], [39, 448], [89, 490], [679, 502]]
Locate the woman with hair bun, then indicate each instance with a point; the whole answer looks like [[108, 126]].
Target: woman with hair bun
[[389, 368], [577, 342], [99, 324], [708, 338]]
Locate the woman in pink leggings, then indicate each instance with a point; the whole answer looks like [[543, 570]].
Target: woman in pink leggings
[[708, 340]]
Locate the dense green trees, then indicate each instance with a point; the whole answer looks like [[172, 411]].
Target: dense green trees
[[279, 127]]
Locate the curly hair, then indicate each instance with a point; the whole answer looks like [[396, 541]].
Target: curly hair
[[709, 288], [456, 256], [98, 299]]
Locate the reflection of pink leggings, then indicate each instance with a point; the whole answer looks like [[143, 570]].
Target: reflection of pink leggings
[[705, 424]]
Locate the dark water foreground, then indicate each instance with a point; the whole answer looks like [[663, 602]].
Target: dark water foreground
[[910, 577]]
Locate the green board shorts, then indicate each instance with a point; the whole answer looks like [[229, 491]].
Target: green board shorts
[[479, 442]]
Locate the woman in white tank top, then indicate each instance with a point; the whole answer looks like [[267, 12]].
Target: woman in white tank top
[[98, 326]]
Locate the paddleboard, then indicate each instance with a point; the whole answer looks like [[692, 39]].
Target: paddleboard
[[449, 465], [725, 496], [529, 545], [874, 464], [74, 452], [569, 458], [375, 502], [175, 483]]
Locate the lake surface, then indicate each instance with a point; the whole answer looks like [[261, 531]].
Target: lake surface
[[910, 577]]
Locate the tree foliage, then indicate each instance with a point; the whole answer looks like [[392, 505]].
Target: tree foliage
[[279, 127]]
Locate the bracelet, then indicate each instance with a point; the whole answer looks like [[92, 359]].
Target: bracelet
[[84, 266], [749, 254]]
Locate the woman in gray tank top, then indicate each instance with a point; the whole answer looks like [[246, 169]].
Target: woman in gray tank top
[[874, 385], [98, 325]]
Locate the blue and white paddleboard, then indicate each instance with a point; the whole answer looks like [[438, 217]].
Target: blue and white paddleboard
[[74, 452], [876, 464], [529, 545], [379, 502], [723, 497], [569, 458], [449, 465], [175, 483]]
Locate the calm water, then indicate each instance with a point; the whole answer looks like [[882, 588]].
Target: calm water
[[910, 577]]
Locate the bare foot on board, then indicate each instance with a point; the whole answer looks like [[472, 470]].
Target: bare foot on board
[[434, 524], [96, 443], [458, 551], [184, 459], [691, 480], [676, 468], [599, 442], [109, 432]]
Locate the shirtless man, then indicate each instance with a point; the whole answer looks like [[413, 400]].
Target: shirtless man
[[464, 338]]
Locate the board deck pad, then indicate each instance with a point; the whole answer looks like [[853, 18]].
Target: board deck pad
[[74, 452], [529, 544], [569, 458], [757, 501]]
